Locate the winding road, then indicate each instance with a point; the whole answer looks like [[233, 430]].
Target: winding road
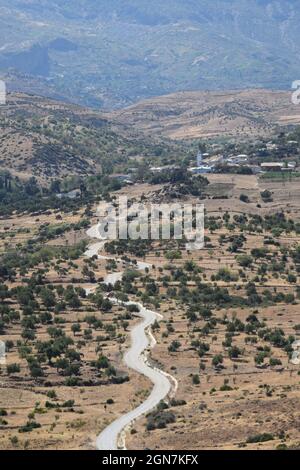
[[113, 436]]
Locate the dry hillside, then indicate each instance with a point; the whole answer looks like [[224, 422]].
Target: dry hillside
[[52, 139], [190, 115]]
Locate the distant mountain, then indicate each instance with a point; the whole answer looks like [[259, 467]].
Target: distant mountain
[[62, 45], [34, 61], [111, 53]]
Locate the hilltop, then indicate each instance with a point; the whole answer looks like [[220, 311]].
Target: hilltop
[[50, 139], [192, 115]]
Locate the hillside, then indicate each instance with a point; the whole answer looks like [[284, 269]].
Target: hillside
[[190, 115], [50, 139], [112, 54]]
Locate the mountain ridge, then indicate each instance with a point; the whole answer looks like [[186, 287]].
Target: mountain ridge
[[117, 53], [196, 115]]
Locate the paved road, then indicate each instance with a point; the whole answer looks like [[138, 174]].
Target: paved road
[[135, 358]]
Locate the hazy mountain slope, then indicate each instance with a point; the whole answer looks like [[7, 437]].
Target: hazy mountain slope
[[125, 50]]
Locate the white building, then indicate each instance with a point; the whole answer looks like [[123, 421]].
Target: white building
[[238, 159], [160, 169], [199, 159], [202, 169]]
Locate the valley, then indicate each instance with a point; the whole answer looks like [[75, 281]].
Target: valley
[[231, 372], [228, 312], [149, 231]]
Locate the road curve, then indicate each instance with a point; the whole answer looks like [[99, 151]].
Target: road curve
[[113, 436]]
